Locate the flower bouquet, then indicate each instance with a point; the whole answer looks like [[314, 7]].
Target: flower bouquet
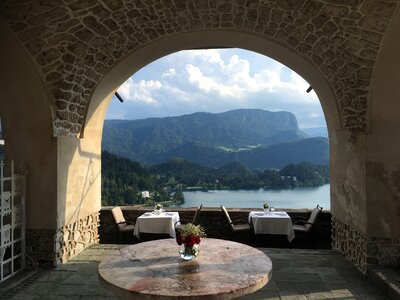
[[189, 235], [266, 206], [158, 209]]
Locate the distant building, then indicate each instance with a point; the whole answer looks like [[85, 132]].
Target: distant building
[[145, 194], [289, 177]]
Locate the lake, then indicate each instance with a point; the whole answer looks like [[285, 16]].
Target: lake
[[293, 198]]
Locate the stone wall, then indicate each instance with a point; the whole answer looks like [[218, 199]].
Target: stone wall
[[55, 247], [40, 247], [362, 250], [216, 225], [75, 43], [352, 243], [383, 251]]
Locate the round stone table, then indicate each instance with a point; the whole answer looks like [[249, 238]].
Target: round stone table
[[154, 270]]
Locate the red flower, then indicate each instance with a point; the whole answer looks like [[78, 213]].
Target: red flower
[[190, 241], [179, 239], [197, 240]]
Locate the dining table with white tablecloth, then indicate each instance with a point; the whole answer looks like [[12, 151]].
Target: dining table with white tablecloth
[[272, 222], [163, 223]]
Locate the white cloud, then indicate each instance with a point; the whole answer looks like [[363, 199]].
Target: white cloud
[[211, 84], [207, 55], [170, 72], [218, 80], [234, 80], [142, 91]]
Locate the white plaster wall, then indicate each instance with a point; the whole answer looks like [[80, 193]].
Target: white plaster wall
[[383, 141], [25, 112], [348, 192], [79, 170]]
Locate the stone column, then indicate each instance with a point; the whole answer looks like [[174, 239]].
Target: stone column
[[383, 154], [348, 196], [63, 182]]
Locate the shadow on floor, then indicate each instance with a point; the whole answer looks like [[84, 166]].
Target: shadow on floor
[[297, 274]]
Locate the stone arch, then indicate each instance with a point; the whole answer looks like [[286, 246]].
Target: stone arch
[[75, 44], [66, 53], [211, 39]]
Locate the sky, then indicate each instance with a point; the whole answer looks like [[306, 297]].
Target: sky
[[215, 80]]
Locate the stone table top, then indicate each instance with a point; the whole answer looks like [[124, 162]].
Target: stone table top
[[154, 270]]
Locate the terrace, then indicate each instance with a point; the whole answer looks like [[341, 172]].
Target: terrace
[[301, 269], [63, 61], [297, 274]]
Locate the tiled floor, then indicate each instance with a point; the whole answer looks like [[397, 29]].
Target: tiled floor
[[297, 274]]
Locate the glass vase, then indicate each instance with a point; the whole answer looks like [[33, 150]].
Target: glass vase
[[189, 253]]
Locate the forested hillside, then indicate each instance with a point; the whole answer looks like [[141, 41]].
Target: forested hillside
[[123, 180], [256, 138]]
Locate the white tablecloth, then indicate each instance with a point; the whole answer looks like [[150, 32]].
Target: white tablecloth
[[151, 223], [274, 222]]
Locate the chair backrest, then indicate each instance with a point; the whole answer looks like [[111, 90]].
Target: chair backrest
[[118, 216], [197, 215], [313, 217], [228, 218]]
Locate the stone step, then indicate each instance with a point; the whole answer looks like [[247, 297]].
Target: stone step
[[386, 278]]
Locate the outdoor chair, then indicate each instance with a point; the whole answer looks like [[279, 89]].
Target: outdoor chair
[[124, 227], [238, 226], [194, 221], [305, 225]]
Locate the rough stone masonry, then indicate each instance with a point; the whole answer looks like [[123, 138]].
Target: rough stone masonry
[[75, 43]]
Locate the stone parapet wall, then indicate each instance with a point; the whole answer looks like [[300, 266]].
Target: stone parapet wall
[[352, 243], [53, 247], [213, 220]]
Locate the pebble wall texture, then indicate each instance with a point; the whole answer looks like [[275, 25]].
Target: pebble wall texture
[[55, 247], [75, 43], [75, 237], [362, 250], [350, 242]]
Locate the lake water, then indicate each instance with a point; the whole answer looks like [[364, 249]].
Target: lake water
[[293, 198]]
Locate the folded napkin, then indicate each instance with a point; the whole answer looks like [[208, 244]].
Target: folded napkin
[[280, 213], [259, 213]]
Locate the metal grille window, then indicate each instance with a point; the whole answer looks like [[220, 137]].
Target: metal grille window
[[12, 223]]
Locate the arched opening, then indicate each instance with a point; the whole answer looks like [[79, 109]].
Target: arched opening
[[337, 58], [216, 39], [208, 39], [107, 87], [204, 85]]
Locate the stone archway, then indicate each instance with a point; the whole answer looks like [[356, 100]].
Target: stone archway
[[75, 44], [75, 48], [208, 39], [216, 39]]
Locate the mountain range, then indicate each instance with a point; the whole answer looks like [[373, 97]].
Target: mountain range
[[256, 138]]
